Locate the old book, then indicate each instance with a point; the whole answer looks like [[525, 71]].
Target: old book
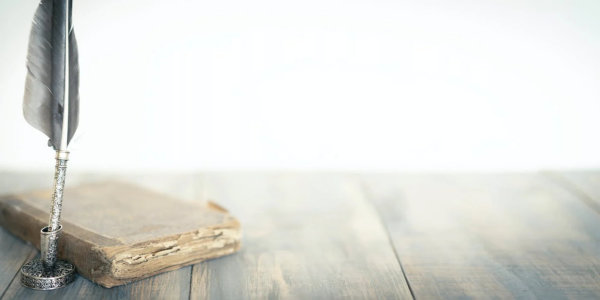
[[115, 233]]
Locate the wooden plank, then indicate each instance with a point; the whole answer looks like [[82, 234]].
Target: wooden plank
[[14, 251], [585, 185], [306, 236], [171, 285], [14, 254], [492, 236]]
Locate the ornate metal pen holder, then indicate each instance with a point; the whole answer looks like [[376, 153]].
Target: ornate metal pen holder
[[47, 272]]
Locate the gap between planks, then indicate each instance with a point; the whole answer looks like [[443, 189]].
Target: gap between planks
[[30, 256], [369, 196]]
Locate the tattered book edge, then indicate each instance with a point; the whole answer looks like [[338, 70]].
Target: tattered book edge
[[113, 264]]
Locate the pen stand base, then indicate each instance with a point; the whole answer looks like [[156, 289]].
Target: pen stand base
[[48, 273], [34, 275]]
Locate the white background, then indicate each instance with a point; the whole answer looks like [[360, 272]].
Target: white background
[[353, 85]]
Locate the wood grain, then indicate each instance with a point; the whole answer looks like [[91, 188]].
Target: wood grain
[[13, 251], [306, 236], [170, 285], [585, 185], [14, 254], [326, 236], [490, 236]]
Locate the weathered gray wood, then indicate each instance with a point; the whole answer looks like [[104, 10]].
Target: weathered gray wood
[[12, 250], [585, 185], [14, 253], [521, 236], [306, 236], [170, 285], [494, 236]]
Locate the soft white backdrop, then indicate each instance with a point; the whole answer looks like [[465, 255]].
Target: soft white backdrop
[[372, 84]]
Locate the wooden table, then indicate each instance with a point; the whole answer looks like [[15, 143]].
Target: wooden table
[[368, 236]]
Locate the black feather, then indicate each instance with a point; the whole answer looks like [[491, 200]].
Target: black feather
[[43, 103]]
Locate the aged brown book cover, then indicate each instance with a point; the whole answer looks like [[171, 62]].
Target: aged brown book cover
[[115, 233]]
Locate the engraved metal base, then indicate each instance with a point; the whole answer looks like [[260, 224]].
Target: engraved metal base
[[33, 275]]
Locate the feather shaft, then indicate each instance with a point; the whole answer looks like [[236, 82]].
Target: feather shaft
[[65, 121]]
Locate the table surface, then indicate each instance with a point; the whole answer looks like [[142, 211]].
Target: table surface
[[367, 236]]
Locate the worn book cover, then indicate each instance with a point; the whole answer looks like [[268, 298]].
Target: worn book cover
[[115, 233]]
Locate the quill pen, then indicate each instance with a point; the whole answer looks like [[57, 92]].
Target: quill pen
[[51, 105], [51, 101]]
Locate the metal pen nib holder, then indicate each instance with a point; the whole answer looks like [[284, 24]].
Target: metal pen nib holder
[[47, 272]]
